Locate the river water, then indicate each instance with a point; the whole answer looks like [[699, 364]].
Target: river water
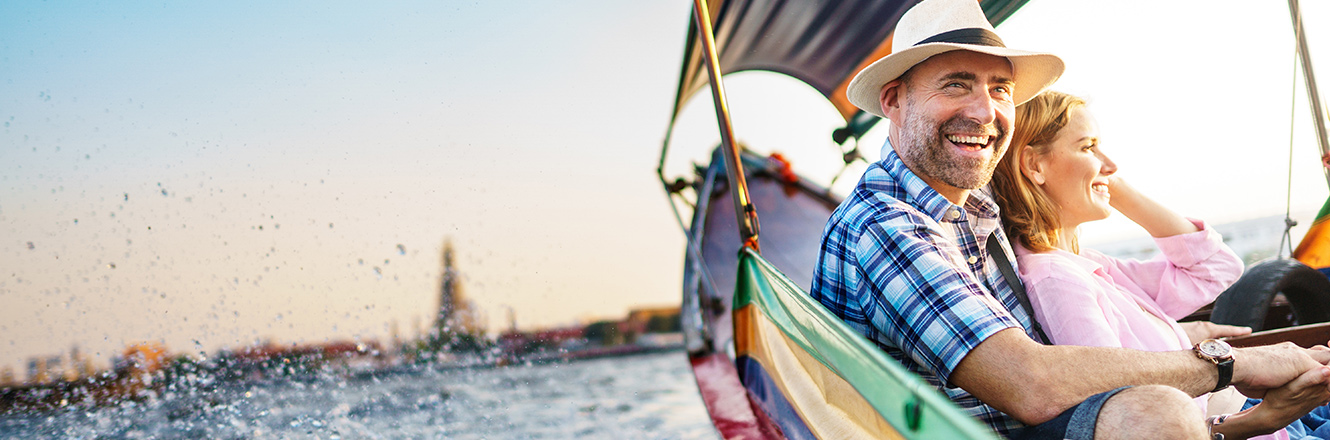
[[639, 397]]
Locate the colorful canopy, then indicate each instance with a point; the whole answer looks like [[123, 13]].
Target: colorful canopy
[[820, 43]]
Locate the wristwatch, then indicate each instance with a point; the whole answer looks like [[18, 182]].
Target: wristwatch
[[1219, 353], [1210, 424]]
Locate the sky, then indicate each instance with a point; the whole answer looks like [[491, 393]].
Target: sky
[[211, 175]]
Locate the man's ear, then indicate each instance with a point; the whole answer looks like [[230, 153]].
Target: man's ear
[[889, 98], [1031, 166]]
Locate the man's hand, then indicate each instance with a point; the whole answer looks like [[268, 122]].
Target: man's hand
[[1258, 369], [1198, 331], [1298, 397], [1281, 406]]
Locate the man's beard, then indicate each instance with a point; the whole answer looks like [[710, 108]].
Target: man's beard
[[924, 151]]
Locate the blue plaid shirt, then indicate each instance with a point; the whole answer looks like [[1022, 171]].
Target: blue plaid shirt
[[909, 270]]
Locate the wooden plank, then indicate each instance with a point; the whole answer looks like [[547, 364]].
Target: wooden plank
[[1304, 335]]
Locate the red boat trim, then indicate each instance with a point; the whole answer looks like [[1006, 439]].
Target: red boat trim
[[727, 401]]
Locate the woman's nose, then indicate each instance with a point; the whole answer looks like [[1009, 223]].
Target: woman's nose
[[1108, 167]]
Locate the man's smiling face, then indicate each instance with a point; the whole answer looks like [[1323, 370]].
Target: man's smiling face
[[955, 118]]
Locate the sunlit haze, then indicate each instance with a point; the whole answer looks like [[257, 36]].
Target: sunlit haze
[[210, 175]]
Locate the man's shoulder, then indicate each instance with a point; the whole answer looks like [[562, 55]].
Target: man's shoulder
[[866, 209], [876, 198]]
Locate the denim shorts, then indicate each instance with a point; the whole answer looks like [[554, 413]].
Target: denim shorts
[[1076, 423]]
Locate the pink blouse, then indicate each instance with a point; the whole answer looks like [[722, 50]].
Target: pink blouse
[[1096, 300], [1092, 299]]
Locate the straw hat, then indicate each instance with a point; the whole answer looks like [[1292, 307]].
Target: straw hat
[[936, 26]]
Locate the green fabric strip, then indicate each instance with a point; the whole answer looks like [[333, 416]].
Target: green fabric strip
[[1325, 212], [903, 399]]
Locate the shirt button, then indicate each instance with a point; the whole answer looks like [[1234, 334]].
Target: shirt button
[[972, 259], [955, 214]]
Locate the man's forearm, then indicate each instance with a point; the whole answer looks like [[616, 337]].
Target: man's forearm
[[1035, 382]]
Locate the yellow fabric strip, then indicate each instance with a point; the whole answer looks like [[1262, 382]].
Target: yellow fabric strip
[[830, 407], [1314, 250]]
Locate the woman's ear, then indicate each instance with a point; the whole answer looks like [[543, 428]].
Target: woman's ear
[[1031, 166]]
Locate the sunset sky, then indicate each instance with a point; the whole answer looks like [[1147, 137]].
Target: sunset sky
[[212, 174]]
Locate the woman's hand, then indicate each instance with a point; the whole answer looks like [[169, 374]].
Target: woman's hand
[[1198, 331], [1155, 218], [1119, 191]]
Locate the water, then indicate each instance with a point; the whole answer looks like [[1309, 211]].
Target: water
[[647, 397]]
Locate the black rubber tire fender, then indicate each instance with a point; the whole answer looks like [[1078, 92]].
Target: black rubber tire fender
[[1248, 300]]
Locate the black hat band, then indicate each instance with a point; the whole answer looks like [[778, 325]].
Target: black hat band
[[975, 36]]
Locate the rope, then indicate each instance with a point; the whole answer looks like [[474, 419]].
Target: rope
[[1286, 240]]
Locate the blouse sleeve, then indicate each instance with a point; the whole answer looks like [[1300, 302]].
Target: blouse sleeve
[[1192, 271]]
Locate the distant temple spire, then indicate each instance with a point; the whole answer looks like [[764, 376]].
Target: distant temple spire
[[456, 314], [449, 289]]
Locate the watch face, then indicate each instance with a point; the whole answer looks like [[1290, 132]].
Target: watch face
[[1215, 348]]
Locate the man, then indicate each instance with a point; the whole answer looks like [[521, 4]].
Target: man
[[905, 261]]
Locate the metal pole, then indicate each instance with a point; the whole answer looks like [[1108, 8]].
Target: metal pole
[[743, 208], [1313, 93]]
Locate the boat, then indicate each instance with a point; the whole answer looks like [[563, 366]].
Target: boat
[[769, 361]]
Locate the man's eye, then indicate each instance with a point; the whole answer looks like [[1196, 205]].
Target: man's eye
[[955, 84], [1002, 90]]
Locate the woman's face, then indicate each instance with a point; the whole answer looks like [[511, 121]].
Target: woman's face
[[1075, 171]]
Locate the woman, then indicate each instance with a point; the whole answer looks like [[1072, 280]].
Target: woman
[[1056, 177]]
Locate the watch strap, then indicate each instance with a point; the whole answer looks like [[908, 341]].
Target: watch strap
[[1225, 374]]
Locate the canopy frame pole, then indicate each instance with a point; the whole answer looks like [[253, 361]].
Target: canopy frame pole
[[1313, 93], [745, 213]]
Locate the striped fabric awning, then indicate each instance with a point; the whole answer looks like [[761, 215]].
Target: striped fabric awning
[[823, 44]]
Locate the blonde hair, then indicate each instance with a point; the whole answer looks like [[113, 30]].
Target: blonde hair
[[1028, 214]]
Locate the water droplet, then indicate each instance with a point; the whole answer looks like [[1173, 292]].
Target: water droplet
[[126, 197], [401, 250], [31, 246], [110, 265], [163, 191]]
